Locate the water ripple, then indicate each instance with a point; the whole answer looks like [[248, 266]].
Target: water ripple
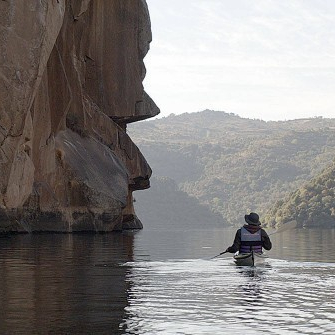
[[216, 297]]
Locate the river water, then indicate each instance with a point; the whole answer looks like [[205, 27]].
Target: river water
[[165, 282]]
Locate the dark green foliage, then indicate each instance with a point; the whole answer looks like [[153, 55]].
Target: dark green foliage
[[311, 205], [235, 165]]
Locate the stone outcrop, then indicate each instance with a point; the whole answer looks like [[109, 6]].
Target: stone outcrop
[[71, 75]]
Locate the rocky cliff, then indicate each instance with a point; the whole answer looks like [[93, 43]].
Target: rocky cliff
[[71, 75]]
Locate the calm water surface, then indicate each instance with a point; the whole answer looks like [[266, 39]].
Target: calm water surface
[[163, 282]]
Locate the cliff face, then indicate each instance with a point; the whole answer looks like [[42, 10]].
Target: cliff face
[[71, 75]]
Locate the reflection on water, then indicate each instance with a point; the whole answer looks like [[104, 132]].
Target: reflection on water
[[305, 245], [60, 284], [164, 282]]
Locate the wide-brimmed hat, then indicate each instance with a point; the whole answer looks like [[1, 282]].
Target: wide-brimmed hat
[[252, 218]]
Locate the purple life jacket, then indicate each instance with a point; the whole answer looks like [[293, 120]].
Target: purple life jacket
[[250, 242]]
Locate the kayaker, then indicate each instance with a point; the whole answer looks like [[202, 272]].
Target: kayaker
[[251, 237]]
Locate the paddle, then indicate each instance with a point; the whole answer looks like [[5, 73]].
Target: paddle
[[223, 252], [285, 226]]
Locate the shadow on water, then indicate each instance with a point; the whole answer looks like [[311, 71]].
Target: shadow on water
[[251, 288], [252, 292], [64, 284]]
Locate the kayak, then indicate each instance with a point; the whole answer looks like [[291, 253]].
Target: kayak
[[249, 259]]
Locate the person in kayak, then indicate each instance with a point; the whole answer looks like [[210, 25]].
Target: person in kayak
[[251, 237]]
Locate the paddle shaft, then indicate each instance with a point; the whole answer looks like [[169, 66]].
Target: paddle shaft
[[220, 254]]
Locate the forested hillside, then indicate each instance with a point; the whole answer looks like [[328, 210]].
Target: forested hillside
[[164, 205], [235, 165], [313, 204]]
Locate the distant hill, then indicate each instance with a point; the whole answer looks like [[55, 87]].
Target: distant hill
[[164, 205], [313, 204], [235, 165]]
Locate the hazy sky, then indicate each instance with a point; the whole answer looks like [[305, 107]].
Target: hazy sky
[[264, 59]]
